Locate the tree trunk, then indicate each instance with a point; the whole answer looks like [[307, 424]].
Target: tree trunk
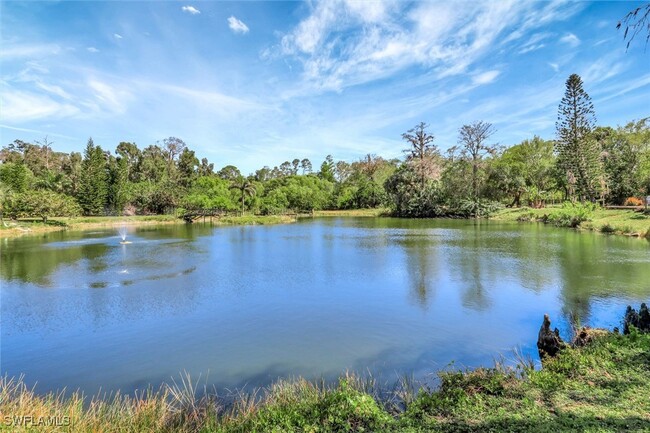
[[242, 203]]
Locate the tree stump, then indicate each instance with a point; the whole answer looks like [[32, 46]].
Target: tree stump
[[549, 342], [640, 320]]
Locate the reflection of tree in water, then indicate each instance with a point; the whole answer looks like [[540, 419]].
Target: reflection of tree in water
[[31, 261], [591, 268], [474, 295], [422, 266], [470, 267]]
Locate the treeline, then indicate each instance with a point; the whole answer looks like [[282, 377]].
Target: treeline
[[472, 178]]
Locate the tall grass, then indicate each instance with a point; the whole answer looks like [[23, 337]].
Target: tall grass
[[600, 387]]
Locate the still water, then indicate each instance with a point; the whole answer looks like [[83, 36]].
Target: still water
[[248, 305]]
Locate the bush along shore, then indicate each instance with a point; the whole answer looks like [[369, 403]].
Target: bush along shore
[[596, 383], [584, 216]]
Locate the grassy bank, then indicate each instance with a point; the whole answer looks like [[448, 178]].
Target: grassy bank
[[599, 388], [352, 213], [616, 221], [35, 226]]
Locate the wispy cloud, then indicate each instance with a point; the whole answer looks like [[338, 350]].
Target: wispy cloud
[[570, 39], [17, 50], [117, 36], [237, 25], [191, 10], [339, 46], [92, 50], [485, 77], [19, 106]]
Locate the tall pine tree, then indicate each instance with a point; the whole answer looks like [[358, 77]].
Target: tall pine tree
[[578, 152], [93, 184]]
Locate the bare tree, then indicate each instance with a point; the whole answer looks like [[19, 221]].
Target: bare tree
[[473, 140], [47, 147], [369, 165], [422, 150], [635, 22]]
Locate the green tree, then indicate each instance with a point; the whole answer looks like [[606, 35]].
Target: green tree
[[188, 165], [15, 176], [209, 192], [130, 153], [305, 164], [327, 169], [45, 204], [93, 186], [626, 159], [246, 188], [578, 153], [407, 196], [118, 191], [230, 173]]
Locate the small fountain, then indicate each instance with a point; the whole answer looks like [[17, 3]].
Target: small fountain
[[122, 231]]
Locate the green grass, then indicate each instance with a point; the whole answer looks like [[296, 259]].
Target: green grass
[[616, 221], [602, 387], [352, 213], [34, 226]]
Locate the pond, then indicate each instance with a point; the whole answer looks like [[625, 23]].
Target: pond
[[244, 306]]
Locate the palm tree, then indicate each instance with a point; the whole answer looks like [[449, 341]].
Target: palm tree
[[246, 187]]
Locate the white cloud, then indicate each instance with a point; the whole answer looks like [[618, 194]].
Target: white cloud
[[485, 77], [554, 66], [13, 51], [108, 97], [570, 39], [117, 36], [191, 10], [92, 50], [530, 48], [237, 26], [341, 46], [20, 106]]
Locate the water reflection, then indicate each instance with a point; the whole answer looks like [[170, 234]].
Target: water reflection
[[251, 304]]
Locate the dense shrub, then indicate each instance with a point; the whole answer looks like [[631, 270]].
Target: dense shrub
[[409, 198], [44, 204], [572, 214], [475, 208]]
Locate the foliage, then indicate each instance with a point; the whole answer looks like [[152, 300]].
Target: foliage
[[409, 199], [44, 204], [296, 193], [210, 192], [245, 187], [327, 169], [15, 176], [468, 208], [578, 152], [572, 214], [93, 185]]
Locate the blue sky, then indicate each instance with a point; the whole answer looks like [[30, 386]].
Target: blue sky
[[255, 83]]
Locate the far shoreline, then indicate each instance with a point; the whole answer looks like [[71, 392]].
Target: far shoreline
[[610, 222]]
